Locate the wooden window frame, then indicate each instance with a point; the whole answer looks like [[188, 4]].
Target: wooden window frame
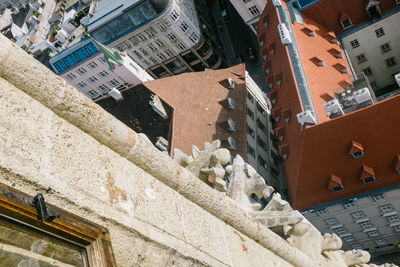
[[14, 204]]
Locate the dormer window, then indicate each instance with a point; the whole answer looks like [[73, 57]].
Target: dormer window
[[231, 143], [373, 10], [356, 150], [367, 174], [231, 103], [335, 183], [230, 125], [284, 150], [345, 20]]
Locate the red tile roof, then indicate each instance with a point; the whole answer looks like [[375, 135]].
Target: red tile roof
[[199, 114]]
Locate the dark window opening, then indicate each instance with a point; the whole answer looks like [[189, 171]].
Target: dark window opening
[[359, 154], [204, 49], [338, 188], [369, 180], [374, 12], [190, 57]]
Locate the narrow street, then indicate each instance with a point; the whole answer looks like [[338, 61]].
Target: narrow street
[[236, 38]]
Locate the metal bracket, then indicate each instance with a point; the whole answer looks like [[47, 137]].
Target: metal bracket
[[44, 213]]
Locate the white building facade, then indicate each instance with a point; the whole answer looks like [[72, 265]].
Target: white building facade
[[84, 66], [250, 11], [163, 37], [373, 48], [12, 4], [369, 221], [262, 154]]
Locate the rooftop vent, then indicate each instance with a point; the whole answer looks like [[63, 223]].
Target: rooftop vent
[[333, 109], [284, 34], [287, 113], [335, 183], [231, 83], [306, 118], [280, 132], [230, 125], [157, 106], [116, 94], [231, 103]]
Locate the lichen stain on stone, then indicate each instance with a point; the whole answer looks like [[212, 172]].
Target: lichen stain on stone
[[244, 248], [115, 193], [241, 238], [178, 171], [92, 109]]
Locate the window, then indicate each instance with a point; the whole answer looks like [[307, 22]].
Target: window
[[169, 53], [82, 84], [81, 71], [93, 93], [60, 66], [374, 85], [184, 26], [161, 26], [144, 51], [262, 162], [24, 230], [171, 37], [251, 150], [80, 54], [181, 47], [348, 238], [385, 47], [153, 60], [379, 32], [90, 49], [159, 43], [346, 23], [393, 218], [71, 76], [231, 143], [361, 58], [174, 15], [102, 60], [386, 208], [161, 56], [322, 212], [231, 125], [331, 221], [367, 71], [390, 62], [70, 61], [340, 230], [350, 205], [250, 97], [254, 10], [365, 224], [373, 233], [250, 131], [92, 65], [152, 47], [357, 215], [354, 43], [103, 73], [103, 89], [114, 82], [231, 103], [92, 79], [261, 126], [250, 113], [356, 246], [378, 197], [261, 143], [380, 242], [193, 37], [396, 228]]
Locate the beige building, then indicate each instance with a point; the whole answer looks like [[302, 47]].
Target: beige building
[[164, 37], [250, 11]]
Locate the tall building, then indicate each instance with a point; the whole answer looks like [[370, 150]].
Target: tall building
[[164, 37], [94, 69], [200, 107], [250, 11], [368, 32], [13, 4], [340, 147]]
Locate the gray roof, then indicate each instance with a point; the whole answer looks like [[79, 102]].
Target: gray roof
[[107, 10]]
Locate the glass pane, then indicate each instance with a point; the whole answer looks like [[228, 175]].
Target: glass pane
[[22, 246]]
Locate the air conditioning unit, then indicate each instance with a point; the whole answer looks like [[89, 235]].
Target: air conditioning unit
[[397, 78], [333, 108], [276, 3], [306, 118], [162, 144], [116, 94], [362, 95], [284, 34]]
